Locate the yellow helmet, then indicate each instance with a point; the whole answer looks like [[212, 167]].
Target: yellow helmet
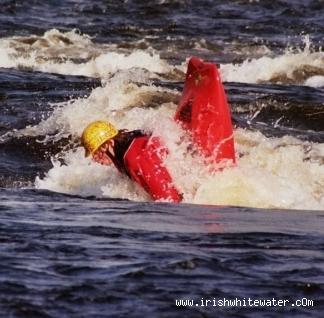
[[96, 134]]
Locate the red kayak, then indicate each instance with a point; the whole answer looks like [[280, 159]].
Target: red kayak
[[203, 110]]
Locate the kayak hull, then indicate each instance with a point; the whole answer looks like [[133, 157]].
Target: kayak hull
[[203, 110]]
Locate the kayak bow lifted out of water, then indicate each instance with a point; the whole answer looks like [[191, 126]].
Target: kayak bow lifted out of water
[[204, 112]]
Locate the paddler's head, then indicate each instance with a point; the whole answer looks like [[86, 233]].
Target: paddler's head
[[96, 135]]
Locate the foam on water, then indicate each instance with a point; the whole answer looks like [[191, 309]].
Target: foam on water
[[302, 66], [111, 100], [81, 176], [122, 102], [315, 81], [71, 53], [270, 172]]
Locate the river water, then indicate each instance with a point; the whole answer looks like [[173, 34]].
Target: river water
[[80, 240]]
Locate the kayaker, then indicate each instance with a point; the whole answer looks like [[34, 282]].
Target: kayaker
[[135, 154], [203, 111]]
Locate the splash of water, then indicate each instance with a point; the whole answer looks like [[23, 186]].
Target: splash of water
[[303, 66], [270, 172], [71, 53]]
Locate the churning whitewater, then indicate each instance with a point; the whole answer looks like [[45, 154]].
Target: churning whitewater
[[271, 172], [81, 239]]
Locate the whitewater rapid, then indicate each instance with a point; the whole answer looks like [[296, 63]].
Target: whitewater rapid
[[72, 53], [270, 172]]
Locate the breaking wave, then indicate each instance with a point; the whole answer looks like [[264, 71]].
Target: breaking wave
[[271, 172], [303, 66], [72, 53]]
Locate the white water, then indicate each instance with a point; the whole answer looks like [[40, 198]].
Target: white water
[[59, 52], [270, 172], [289, 66], [56, 51]]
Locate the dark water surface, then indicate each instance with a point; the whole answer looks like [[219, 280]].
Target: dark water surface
[[65, 256], [91, 258]]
